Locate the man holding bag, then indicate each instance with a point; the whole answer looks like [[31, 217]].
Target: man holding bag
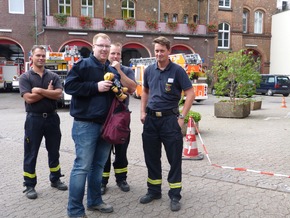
[[91, 101]]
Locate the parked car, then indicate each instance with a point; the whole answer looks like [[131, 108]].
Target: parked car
[[274, 84]]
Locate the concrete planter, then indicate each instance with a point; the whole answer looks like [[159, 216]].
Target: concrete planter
[[256, 105], [232, 110]]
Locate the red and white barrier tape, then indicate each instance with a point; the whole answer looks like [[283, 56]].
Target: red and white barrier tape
[[235, 168]]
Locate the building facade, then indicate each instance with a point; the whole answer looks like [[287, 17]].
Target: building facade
[[224, 25]]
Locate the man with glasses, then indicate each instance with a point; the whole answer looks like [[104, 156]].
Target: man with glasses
[[90, 104]]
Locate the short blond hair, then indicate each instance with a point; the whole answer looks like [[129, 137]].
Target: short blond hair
[[101, 35]]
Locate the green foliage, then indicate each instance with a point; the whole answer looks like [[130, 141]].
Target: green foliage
[[236, 74], [61, 18], [152, 24], [130, 22], [195, 116]]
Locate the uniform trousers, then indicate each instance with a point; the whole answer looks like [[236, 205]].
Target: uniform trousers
[[36, 127], [157, 131]]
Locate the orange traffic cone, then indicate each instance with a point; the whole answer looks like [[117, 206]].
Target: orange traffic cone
[[190, 151], [283, 105]]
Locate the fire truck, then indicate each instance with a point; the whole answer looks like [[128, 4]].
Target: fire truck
[[191, 63], [61, 63], [8, 71]]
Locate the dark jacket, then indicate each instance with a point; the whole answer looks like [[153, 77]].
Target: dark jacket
[[82, 83]]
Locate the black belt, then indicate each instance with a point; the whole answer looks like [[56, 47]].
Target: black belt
[[96, 120], [44, 115], [161, 113]]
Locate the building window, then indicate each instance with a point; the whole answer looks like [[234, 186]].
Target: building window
[[128, 9], [224, 35], [175, 18], [87, 8], [245, 21], [16, 6], [64, 7], [195, 19], [225, 3], [185, 18], [258, 29], [165, 17]]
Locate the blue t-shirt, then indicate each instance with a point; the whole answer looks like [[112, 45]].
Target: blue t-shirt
[[165, 86]]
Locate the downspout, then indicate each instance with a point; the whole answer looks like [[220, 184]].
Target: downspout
[[105, 8], [44, 12], [35, 23], [158, 10], [208, 3]]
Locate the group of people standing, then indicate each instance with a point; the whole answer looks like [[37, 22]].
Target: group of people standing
[[91, 99]]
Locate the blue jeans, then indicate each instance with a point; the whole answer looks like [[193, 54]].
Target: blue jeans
[[91, 155]]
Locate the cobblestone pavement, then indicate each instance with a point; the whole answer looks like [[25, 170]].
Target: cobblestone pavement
[[259, 142]]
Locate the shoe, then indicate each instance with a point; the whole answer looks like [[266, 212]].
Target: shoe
[[103, 189], [123, 185], [30, 192], [103, 208], [84, 216], [148, 198], [175, 205], [59, 185]]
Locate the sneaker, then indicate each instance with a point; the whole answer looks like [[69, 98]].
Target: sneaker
[[59, 185], [103, 208], [175, 205], [103, 189], [123, 185], [30, 192]]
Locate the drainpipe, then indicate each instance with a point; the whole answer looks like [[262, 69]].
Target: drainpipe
[[105, 8], [207, 20], [35, 22], [158, 10]]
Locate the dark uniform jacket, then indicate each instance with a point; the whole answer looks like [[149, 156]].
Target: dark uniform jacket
[[87, 102]]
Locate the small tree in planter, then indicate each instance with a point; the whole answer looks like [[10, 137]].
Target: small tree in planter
[[237, 76]]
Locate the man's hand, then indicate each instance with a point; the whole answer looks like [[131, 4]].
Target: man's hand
[[36, 90], [50, 86], [116, 65], [104, 86]]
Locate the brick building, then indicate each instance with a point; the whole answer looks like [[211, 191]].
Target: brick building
[[239, 24]]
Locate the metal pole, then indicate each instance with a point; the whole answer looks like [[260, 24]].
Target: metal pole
[[35, 22], [158, 10], [105, 8]]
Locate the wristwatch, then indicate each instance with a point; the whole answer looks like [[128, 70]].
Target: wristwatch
[[180, 116]]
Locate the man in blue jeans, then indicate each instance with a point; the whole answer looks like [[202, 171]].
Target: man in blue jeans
[[90, 104]]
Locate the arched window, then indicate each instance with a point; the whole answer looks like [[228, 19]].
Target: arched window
[[87, 8], [245, 21], [258, 26], [224, 35], [128, 9], [175, 18], [185, 18], [195, 18], [165, 18]]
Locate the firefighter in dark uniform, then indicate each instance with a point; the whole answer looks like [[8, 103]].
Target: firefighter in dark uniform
[[121, 161], [41, 89], [162, 87]]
